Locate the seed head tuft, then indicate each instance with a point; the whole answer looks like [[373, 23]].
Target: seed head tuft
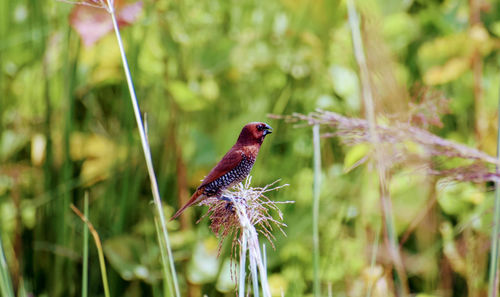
[[243, 205]]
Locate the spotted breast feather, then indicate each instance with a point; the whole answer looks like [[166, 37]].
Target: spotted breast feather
[[230, 178]]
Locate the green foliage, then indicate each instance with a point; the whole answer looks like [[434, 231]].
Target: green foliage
[[202, 70]]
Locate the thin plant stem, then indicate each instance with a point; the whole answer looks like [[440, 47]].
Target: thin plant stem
[[255, 278], [249, 233], [243, 256], [266, 292], [315, 214], [167, 287], [493, 273], [146, 149], [264, 260], [98, 245], [5, 281], [22, 289], [374, 139], [374, 259], [264, 255], [85, 267]]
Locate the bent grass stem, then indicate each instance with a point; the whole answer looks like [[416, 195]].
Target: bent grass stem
[[98, 244]]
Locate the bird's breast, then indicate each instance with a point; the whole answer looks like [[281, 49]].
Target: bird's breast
[[232, 177]]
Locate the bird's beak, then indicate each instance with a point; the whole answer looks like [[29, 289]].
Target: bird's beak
[[268, 130]]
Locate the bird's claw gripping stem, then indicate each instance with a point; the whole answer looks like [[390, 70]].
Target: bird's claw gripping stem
[[226, 198], [229, 205]]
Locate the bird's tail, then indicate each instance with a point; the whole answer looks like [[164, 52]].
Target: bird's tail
[[193, 200]]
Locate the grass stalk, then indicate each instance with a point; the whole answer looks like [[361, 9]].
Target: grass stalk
[[249, 212], [167, 287], [264, 255], [85, 267], [385, 200], [255, 277], [493, 272], [373, 260], [145, 148], [98, 245], [315, 214], [243, 257], [21, 291], [266, 291], [250, 239], [5, 281], [62, 235]]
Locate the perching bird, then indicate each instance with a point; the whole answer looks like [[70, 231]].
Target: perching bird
[[234, 166]]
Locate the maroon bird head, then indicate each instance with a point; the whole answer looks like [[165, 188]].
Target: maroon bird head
[[253, 133]]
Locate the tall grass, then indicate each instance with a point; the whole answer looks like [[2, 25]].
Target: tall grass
[[168, 289], [315, 214], [243, 267], [85, 266], [97, 240], [60, 221], [250, 244], [246, 218], [109, 6], [5, 282], [493, 271], [385, 200]]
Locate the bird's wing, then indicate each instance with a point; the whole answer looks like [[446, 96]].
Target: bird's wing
[[228, 163]]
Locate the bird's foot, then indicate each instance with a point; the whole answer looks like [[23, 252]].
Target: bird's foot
[[229, 204], [226, 198], [229, 207]]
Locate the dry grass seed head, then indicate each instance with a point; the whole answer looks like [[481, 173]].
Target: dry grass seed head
[[245, 204], [405, 142]]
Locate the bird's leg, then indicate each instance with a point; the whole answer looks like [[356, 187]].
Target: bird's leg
[[226, 198], [229, 205]]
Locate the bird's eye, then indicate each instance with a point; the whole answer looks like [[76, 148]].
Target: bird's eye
[[260, 127]]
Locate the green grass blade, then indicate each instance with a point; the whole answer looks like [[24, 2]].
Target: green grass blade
[[374, 259], [242, 275], [98, 245], [385, 199], [167, 287], [5, 282], [255, 278], [85, 267], [315, 215], [493, 273], [146, 149]]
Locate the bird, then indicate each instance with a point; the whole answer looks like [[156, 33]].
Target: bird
[[234, 167]]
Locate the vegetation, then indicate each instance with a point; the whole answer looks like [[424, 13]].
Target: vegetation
[[395, 198]]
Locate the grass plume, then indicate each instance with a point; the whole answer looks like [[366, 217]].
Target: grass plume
[[379, 158], [241, 216], [405, 142]]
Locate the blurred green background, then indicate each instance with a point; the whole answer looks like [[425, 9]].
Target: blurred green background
[[203, 69]]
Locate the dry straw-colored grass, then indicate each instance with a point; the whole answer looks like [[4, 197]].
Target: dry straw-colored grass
[[242, 205], [243, 213]]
